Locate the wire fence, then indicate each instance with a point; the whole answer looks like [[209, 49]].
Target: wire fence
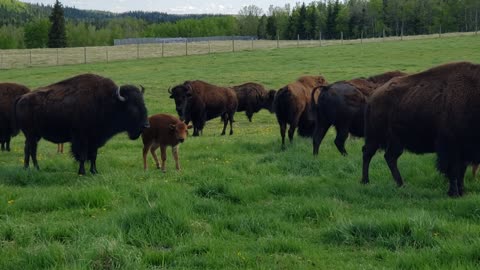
[[85, 55]]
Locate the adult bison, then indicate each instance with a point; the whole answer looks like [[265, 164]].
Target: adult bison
[[9, 92], [199, 101], [342, 104], [85, 110], [431, 111], [252, 97], [292, 106]]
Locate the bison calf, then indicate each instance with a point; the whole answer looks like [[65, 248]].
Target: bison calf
[[165, 130]]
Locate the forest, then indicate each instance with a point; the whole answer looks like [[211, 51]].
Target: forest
[[25, 25]]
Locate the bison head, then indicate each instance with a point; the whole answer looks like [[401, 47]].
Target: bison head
[[181, 94], [268, 101], [133, 111], [180, 131]]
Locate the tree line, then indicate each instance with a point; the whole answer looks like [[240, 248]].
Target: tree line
[[328, 18]]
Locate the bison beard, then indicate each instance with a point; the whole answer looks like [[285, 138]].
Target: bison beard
[[86, 110], [431, 111]]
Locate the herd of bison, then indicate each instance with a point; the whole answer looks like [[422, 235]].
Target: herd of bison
[[434, 111]]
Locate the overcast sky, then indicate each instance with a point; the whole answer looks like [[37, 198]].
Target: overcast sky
[[169, 6]]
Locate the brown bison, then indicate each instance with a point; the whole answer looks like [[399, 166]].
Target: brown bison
[[252, 97], [165, 130], [342, 104], [86, 110], [292, 106], [9, 92], [431, 111], [198, 101]]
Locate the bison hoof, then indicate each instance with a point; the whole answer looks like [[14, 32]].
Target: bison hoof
[[364, 181], [231, 132]]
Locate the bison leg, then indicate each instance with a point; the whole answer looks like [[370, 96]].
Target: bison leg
[[26, 159], [7, 143], [291, 132], [318, 135], [144, 154], [249, 115], [283, 129], [175, 156], [461, 177], [369, 150], [92, 156], [392, 153], [154, 155], [449, 163], [2, 146], [342, 135], [33, 153], [163, 150], [80, 152], [474, 170], [225, 122]]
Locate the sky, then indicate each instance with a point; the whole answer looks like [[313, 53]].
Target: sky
[[171, 6]]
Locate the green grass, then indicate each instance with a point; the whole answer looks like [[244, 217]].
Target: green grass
[[239, 202]]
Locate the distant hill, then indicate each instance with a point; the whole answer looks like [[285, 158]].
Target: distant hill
[[14, 12]]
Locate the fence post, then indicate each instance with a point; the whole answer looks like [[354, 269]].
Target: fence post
[[476, 21], [209, 49], [106, 53], [186, 46], [341, 38], [361, 37], [383, 35], [163, 46], [1, 60], [320, 37], [298, 41], [30, 57], [278, 41], [252, 44], [57, 56], [233, 44], [401, 32]]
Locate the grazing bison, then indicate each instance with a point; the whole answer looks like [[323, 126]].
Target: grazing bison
[[86, 110], [9, 92], [292, 106], [342, 104], [431, 111], [165, 130], [198, 101], [252, 97]]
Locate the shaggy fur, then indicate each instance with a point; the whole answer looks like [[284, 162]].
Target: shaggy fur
[[431, 111], [198, 101], [252, 97], [84, 110], [292, 106], [9, 92]]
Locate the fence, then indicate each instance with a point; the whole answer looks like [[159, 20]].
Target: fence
[[84, 55]]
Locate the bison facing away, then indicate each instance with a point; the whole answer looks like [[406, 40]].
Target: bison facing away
[[292, 106], [431, 111], [198, 101], [252, 97], [9, 92], [342, 104], [86, 110], [165, 130]]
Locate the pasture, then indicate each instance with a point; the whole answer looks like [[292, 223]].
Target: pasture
[[239, 202]]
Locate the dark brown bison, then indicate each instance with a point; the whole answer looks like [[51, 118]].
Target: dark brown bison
[[9, 92], [198, 101], [292, 106], [86, 110], [431, 111], [252, 97], [165, 130], [342, 104]]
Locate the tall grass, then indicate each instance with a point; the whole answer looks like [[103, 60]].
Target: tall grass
[[239, 201]]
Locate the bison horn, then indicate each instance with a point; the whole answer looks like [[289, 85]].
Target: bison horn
[[119, 96], [170, 90], [143, 89]]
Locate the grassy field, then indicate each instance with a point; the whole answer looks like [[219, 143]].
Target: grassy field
[[239, 202]]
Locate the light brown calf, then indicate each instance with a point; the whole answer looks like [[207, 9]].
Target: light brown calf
[[165, 130]]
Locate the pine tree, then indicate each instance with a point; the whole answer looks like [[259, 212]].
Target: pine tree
[[57, 37]]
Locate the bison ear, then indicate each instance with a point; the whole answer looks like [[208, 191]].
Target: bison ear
[[143, 89], [189, 127], [172, 126]]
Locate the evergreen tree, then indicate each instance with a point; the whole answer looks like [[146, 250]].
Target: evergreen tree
[[57, 37]]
